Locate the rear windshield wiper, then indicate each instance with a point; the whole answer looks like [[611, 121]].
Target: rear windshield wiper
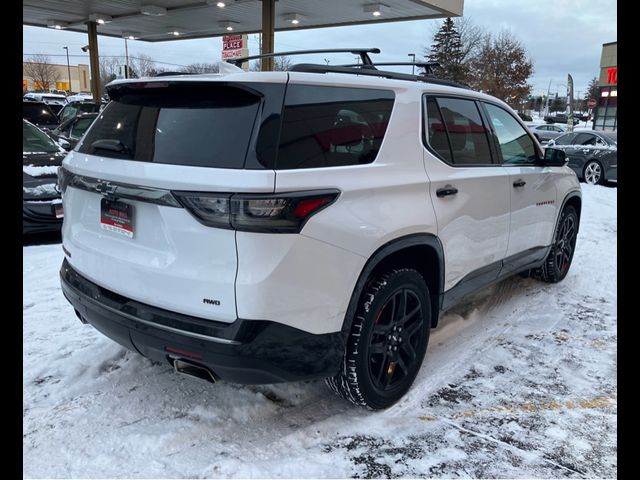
[[110, 144]]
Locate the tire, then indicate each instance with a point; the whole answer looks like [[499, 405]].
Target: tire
[[558, 261], [593, 173], [387, 341]]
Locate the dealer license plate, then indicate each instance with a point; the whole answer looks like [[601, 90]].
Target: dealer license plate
[[116, 216]]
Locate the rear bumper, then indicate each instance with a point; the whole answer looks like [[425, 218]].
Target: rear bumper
[[39, 217], [245, 351]]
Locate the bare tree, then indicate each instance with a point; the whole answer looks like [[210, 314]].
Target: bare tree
[[109, 69], [143, 66], [39, 69], [502, 67], [200, 68], [280, 64], [471, 37]]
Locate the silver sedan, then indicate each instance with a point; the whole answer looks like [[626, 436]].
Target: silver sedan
[[546, 132]]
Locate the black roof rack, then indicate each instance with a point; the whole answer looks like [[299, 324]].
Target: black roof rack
[[363, 52], [367, 67], [372, 72], [428, 66]]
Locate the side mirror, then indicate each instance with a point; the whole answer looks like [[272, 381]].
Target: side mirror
[[551, 143], [554, 157], [64, 144]]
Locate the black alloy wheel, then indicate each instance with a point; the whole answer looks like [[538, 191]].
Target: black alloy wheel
[[387, 341], [558, 261], [393, 342]]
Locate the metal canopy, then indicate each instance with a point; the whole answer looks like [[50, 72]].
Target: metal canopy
[[201, 18]]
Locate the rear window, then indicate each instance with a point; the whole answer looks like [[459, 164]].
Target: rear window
[[38, 113], [201, 125], [332, 126]]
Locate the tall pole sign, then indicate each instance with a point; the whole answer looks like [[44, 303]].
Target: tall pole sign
[[569, 104], [235, 46]]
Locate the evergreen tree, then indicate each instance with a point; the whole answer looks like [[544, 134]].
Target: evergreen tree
[[592, 89], [447, 51]]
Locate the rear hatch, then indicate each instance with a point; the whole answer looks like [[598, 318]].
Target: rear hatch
[[125, 225]]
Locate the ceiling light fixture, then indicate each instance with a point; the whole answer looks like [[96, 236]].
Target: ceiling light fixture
[[294, 18], [376, 9], [153, 10], [218, 3], [130, 35], [175, 31], [229, 26], [57, 24], [100, 18]]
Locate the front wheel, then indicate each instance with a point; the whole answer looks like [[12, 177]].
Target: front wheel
[[593, 173], [387, 341], [556, 265]]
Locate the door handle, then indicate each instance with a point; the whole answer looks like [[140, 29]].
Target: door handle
[[446, 191], [519, 183]]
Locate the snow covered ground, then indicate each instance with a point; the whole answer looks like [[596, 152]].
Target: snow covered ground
[[518, 382]]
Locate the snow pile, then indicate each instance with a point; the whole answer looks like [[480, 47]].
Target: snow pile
[[40, 171], [520, 381], [46, 190]]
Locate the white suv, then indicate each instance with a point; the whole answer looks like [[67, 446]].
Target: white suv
[[276, 226]]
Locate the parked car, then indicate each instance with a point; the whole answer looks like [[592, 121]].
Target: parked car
[[593, 155], [54, 100], [544, 133], [72, 129], [80, 97], [41, 204], [40, 114], [74, 108], [280, 226]]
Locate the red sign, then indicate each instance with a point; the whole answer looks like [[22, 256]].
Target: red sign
[[591, 103], [612, 75], [232, 54], [232, 42]]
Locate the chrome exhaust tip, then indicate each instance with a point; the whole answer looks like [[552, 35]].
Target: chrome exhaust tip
[[185, 367]]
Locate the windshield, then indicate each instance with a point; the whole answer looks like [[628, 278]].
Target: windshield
[[35, 140], [38, 113]]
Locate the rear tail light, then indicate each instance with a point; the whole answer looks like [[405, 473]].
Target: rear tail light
[[277, 213], [63, 180]]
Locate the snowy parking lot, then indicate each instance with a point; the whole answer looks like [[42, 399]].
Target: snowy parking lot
[[520, 381]]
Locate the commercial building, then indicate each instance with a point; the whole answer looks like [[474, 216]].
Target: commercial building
[[57, 76], [606, 112]]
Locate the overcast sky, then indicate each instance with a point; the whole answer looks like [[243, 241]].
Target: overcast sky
[[561, 37]]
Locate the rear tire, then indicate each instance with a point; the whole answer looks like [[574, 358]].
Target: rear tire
[[387, 341], [558, 261]]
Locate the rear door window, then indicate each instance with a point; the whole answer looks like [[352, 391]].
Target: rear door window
[[332, 126], [202, 125], [466, 133], [80, 126]]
